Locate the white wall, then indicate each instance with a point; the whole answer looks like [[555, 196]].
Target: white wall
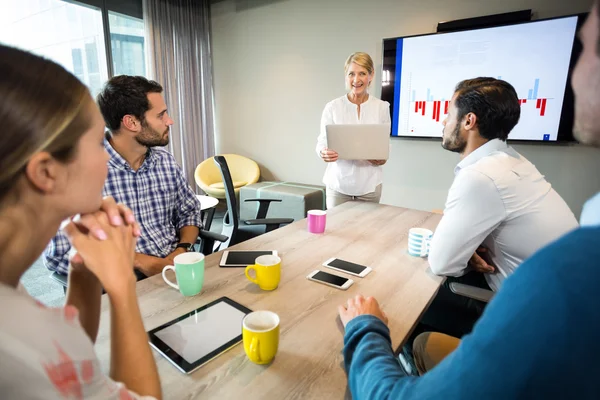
[[277, 62]]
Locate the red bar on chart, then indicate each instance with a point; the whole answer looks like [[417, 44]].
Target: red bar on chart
[[416, 106], [435, 106], [446, 107], [543, 110], [524, 101], [423, 108], [538, 103], [437, 110]]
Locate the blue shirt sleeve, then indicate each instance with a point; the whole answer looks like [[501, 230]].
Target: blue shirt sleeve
[[373, 370], [538, 338], [187, 210]]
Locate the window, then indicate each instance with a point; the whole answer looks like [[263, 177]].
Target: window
[[127, 43], [72, 34], [67, 33]]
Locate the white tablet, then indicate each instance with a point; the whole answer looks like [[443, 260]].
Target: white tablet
[[242, 258], [195, 338]]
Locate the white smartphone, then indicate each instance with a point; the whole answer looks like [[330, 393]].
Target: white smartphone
[[348, 267], [328, 279]]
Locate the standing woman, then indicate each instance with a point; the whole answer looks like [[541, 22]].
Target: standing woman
[[52, 166], [348, 180]]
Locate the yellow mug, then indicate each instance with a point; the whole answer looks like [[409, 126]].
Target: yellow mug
[[260, 333], [268, 272]]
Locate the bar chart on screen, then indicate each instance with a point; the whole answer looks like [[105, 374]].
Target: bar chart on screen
[[430, 67]]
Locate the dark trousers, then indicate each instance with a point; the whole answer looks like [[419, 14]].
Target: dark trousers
[[453, 314]]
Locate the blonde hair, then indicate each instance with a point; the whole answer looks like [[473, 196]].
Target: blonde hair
[[362, 59], [43, 107]]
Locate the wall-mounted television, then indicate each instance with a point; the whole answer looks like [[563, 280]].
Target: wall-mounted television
[[420, 73]]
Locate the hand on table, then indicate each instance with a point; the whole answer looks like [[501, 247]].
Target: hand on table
[[329, 155], [360, 306], [377, 162], [151, 265], [480, 261]]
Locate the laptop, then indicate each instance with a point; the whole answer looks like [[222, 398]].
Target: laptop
[[359, 141]]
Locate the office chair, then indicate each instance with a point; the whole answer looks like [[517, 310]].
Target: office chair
[[236, 230], [244, 171], [472, 292]]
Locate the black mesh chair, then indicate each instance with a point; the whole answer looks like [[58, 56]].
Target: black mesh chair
[[236, 230]]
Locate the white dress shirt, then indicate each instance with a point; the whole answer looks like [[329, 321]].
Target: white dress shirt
[[352, 177], [590, 215], [499, 200]]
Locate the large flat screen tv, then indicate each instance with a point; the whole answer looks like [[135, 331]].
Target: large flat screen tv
[[420, 73]]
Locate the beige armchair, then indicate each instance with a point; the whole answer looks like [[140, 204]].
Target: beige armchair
[[244, 172]]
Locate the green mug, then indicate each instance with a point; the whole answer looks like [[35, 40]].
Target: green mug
[[189, 271]]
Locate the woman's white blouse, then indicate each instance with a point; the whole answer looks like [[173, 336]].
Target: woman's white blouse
[[352, 177]]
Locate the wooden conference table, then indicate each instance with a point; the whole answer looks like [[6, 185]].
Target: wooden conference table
[[309, 363]]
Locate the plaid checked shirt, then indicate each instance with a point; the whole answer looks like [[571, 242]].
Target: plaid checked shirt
[[157, 193]]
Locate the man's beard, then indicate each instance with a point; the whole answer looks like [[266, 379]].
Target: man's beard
[[150, 138], [454, 142]]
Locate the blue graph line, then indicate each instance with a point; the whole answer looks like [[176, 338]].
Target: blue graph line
[[397, 87]]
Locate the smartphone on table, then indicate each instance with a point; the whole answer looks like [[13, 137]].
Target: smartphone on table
[[348, 267], [338, 282]]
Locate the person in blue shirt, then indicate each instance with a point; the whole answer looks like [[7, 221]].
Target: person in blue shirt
[[538, 337]]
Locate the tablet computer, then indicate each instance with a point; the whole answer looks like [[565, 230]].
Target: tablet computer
[[195, 338], [242, 258]]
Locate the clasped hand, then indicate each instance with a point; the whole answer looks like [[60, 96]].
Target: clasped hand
[[105, 243], [480, 261]]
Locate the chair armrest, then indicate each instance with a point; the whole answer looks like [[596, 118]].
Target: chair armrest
[[269, 221], [263, 206], [60, 278], [212, 236], [472, 292], [206, 241], [261, 200]]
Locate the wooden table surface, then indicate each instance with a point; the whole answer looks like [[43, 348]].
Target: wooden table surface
[[309, 362]]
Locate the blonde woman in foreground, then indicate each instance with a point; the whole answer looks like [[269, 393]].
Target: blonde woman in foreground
[[53, 166]]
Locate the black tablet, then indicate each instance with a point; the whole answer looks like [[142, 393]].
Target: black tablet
[[243, 258], [195, 338]]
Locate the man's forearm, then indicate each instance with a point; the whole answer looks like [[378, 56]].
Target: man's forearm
[[83, 292], [373, 370], [150, 265], [189, 234]]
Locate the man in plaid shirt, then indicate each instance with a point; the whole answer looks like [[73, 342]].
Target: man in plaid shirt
[[142, 176]]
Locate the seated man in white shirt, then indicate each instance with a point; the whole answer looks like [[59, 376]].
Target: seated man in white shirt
[[499, 202]]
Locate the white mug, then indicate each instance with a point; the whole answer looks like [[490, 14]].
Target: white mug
[[419, 240]]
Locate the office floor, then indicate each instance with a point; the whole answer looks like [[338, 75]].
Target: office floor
[[38, 283]]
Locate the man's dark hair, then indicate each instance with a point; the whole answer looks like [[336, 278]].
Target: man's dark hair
[[125, 95], [494, 102]]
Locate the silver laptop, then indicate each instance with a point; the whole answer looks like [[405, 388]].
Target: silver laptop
[[359, 142]]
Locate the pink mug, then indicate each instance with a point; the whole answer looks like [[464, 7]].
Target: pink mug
[[316, 221]]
